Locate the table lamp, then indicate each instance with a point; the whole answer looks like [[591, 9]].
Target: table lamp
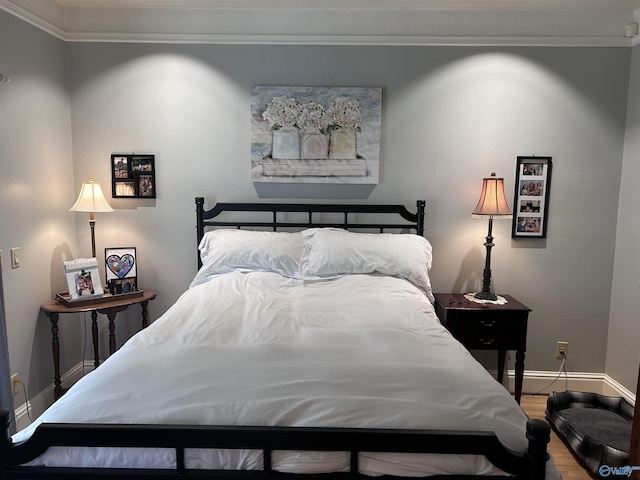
[[91, 200], [492, 204]]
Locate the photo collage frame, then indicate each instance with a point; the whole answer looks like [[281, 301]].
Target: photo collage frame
[[133, 175], [531, 198]]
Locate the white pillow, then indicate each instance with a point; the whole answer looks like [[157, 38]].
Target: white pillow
[[330, 252], [226, 250]]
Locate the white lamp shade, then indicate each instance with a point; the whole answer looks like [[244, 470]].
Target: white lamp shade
[[492, 202], [91, 199]]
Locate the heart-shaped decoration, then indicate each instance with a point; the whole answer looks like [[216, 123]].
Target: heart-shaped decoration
[[120, 265]]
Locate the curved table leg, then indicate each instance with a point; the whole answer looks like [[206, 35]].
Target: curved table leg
[[145, 314], [94, 334], [111, 315], [502, 354], [519, 374], [112, 331], [55, 350]]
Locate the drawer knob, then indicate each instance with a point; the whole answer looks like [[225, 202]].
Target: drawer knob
[[488, 323], [486, 342]]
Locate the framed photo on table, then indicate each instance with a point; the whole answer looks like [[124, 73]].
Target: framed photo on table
[[531, 198], [122, 270], [83, 279]]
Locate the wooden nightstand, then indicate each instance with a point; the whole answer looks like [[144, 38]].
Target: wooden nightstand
[[483, 326], [110, 308]]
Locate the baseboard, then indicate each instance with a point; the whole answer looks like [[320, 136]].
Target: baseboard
[[543, 382], [534, 382], [37, 404], [611, 387]]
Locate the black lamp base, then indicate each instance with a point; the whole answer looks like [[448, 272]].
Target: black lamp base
[[485, 296]]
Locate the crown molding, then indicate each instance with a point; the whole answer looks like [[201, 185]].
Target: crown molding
[[563, 23], [47, 16], [354, 40]]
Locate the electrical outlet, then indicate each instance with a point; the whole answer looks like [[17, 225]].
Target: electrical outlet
[[14, 383], [561, 350]]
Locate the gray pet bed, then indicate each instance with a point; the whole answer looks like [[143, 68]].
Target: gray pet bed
[[596, 427]]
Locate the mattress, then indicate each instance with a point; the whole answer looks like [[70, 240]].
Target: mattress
[[266, 346]]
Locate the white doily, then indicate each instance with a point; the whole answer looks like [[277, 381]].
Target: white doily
[[499, 301]]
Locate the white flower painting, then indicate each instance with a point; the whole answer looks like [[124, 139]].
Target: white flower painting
[[315, 134]]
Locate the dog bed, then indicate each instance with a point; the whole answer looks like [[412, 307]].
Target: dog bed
[[596, 427]]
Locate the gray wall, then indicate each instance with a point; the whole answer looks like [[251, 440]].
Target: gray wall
[[450, 117], [36, 189], [623, 354]]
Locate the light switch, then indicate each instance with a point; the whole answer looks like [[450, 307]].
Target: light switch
[[15, 257]]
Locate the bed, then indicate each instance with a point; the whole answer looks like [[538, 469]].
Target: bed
[[306, 345]]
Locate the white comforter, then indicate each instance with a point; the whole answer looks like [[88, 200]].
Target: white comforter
[[261, 349]]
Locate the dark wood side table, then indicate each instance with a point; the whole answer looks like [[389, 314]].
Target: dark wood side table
[[110, 308], [485, 326]]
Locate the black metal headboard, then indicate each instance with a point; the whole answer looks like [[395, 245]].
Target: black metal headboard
[[203, 217]]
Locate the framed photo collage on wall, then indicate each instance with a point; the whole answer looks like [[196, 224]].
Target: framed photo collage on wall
[[531, 199], [133, 175]]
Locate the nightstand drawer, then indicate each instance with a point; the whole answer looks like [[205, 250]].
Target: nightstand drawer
[[504, 321], [492, 340]]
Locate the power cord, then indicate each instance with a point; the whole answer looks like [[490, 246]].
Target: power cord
[[26, 396], [563, 368]]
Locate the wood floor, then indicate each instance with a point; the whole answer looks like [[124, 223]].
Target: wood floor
[[533, 406]]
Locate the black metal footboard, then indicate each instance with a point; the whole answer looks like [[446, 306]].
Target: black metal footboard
[[527, 465]]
